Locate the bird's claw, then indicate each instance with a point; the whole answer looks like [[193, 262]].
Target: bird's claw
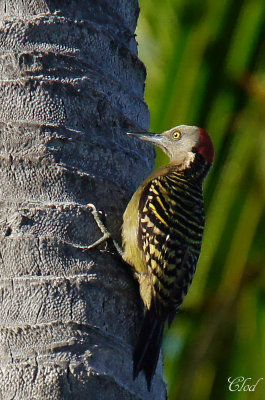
[[106, 234]]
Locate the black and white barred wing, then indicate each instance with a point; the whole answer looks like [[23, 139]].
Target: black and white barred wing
[[170, 233]]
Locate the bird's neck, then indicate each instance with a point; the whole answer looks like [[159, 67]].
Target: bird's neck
[[194, 168]]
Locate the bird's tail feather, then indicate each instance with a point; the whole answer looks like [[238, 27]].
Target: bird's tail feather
[[147, 348]]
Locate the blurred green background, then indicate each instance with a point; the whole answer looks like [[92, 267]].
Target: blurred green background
[[205, 66]]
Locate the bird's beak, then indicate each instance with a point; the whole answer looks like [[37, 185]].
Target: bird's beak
[[154, 138]]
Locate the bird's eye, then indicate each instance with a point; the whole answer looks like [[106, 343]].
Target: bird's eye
[[176, 135]]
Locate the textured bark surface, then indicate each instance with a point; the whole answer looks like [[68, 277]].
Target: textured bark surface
[[71, 85]]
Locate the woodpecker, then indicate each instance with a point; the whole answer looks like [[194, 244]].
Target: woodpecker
[[162, 234]]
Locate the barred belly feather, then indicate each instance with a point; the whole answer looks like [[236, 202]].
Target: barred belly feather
[[170, 233]]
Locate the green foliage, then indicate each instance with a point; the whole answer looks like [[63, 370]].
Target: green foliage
[[205, 66]]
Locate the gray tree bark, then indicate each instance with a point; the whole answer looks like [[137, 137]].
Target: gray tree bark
[[71, 85]]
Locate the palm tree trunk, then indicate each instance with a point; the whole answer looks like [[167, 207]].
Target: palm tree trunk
[[71, 86]]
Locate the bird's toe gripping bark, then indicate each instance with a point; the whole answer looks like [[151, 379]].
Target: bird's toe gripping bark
[[106, 234]]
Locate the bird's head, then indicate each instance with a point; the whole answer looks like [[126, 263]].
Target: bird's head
[[181, 143]]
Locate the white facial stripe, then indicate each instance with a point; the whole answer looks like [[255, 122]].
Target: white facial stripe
[[188, 160]]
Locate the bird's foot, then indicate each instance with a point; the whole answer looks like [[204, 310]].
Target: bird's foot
[[106, 234]]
